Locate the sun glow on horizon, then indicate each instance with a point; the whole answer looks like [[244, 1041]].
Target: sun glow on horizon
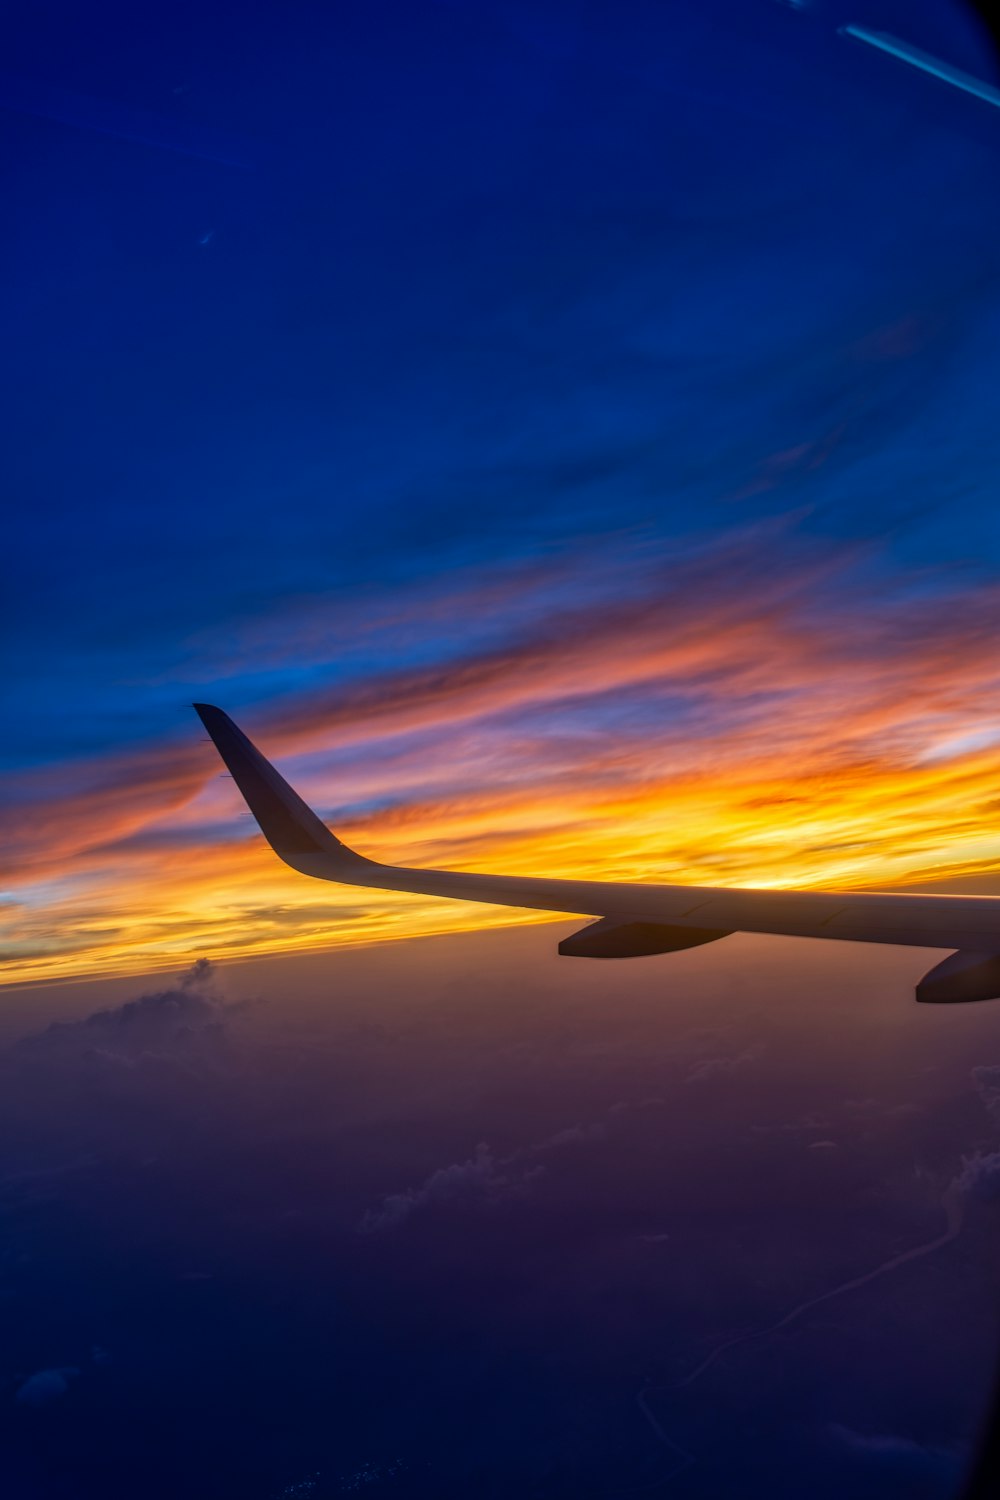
[[148, 902], [722, 725]]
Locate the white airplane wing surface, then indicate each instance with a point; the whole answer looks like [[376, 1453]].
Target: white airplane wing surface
[[636, 920]]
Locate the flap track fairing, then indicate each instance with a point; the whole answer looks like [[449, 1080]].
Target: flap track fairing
[[612, 937]]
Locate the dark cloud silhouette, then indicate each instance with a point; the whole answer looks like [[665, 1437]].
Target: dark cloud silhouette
[[201, 972], [126, 1079], [573, 1135], [479, 1176], [980, 1175], [722, 1067], [164, 1023], [482, 1176], [987, 1082], [46, 1386]]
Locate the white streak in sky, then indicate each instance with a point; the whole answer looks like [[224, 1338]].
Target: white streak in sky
[[925, 62]]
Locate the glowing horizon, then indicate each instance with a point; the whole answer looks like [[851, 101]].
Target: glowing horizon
[[542, 497], [760, 735]]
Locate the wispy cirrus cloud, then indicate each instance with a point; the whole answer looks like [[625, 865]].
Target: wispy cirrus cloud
[[726, 719]]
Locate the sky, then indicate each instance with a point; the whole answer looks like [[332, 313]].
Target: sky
[[562, 437]]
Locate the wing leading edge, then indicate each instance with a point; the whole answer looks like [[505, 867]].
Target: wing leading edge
[[635, 919]]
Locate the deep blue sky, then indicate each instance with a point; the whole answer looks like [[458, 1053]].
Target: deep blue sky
[[497, 281]]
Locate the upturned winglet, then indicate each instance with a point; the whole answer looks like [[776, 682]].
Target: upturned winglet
[[290, 826]]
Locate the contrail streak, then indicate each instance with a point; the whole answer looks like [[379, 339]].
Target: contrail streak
[[951, 1202], [953, 1205], [925, 62]]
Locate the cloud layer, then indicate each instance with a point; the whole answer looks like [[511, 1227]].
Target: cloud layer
[[725, 724]]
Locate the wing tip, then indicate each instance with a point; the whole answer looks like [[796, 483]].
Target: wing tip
[[288, 823]]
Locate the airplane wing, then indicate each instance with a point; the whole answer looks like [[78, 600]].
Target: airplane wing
[[634, 920]]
